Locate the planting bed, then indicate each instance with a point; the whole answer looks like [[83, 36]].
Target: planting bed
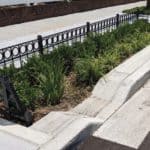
[[19, 14], [64, 78], [139, 10]]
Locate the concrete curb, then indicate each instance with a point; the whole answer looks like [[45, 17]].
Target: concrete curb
[[129, 129], [73, 135], [66, 127], [127, 89]]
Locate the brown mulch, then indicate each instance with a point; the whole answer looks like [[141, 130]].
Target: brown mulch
[[73, 95]]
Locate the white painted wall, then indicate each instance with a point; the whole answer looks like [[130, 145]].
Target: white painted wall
[[15, 2]]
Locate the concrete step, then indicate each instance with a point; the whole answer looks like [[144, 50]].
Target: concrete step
[[23, 133], [67, 129], [130, 125], [11, 142]]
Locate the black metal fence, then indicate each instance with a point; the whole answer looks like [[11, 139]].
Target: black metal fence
[[20, 52]]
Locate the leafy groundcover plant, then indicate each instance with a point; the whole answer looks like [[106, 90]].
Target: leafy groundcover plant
[[41, 80]]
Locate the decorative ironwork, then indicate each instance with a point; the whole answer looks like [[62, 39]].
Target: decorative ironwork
[[12, 103], [19, 51], [22, 51]]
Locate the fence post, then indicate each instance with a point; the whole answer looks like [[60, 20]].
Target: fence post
[[137, 15], [88, 27], [117, 20], [40, 42]]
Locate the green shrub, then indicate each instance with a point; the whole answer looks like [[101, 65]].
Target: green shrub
[[65, 55], [29, 95], [109, 60], [128, 29], [103, 42], [85, 49], [141, 25], [88, 70], [52, 82]]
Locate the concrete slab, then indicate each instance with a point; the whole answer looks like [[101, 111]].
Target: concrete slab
[[71, 136], [9, 142], [67, 129], [90, 107], [22, 132], [130, 124], [53, 123]]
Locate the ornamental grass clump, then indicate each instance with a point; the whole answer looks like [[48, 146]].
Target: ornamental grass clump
[[37, 82], [48, 77], [103, 42], [87, 49], [88, 70], [51, 82], [64, 54]]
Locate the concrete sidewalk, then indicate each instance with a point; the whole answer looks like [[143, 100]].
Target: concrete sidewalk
[[14, 34]]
